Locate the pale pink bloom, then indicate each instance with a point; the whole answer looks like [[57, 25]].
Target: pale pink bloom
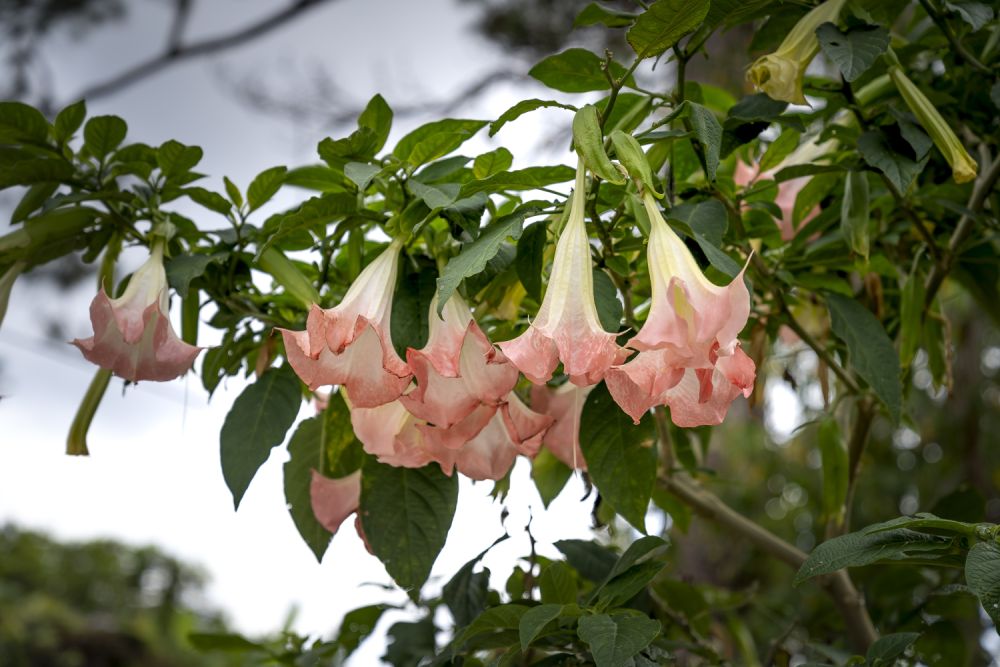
[[745, 175], [389, 432], [458, 371], [513, 429], [350, 344], [333, 500], [565, 405], [133, 337], [689, 356], [567, 327]]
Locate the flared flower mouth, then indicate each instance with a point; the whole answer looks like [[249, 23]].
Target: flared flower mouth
[[565, 405], [133, 336], [567, 328]]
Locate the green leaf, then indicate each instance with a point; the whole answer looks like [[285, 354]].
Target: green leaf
[[708, 132], [357, 625], [231, 189], [534, 620], [35, 170], [835, 468], [306, 451], [779, 149], [315, 213], [521, 179], [175, 159], [433, 140], [491, 163], [855, 223], [377, 117], [976, 14], [409, 323], [550, 475], [257, 422], [21, 122], [854, 51], [630, 154], [361, 173], [911, 316], [435, 196], [410, 642], [531, 257], [406, 514], [474, 256], [576, 71], [810, 196], [662, 25], [620, 456], [69, 120], [626, 586], [982, 573], [523, 107], [609, 306], [613, 640], [318, 177], [596, 14], [491, 623], [887, 648], [182, 269], [103, 134], [230, 643], [557, 583], [264, 186], [871, 351], [591, 560], [467, 593], [640, 551], [877, 151], [858, 549], [210, 200], [34, 198]]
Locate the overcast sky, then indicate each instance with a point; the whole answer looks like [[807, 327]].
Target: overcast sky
[[154, 475]]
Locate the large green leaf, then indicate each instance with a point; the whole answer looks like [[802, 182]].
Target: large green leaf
[[313, 215], [557, 583], [357, 625], [69, 120], [877, 150], [406, 514], [708, 132], [835, 468], [595, 13], [377, 117], [613, 640], [474, 256], [21, 122], [257, 422], [491, 163], [175, 159], [35, 170], [264, 186], [887, 648], [858, 549], [529, 178], [575, 71], [523, 107], [871, 351], [534, 620], [436, 139], [103, 134], [609, 306], [531, 257], [982, 572], [854, 51], [620, 455], [590, 559], [467, 593], [664, 23]]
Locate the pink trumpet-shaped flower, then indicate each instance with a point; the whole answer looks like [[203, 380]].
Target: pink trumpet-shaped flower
[[389, 432], [689, 356], [458, 371], [132, 334], [333, 500], [350, 344], [567, 327], [565, 405]]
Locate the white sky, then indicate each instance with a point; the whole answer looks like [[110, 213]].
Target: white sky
[[154, 475]]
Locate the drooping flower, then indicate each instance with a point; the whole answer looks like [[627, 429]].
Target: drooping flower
[[389, 432], [963, 167], [689, 356], [458, 371], [565, 405], [133, 336], [350, 344], [567, 327], [333, 500], [780, 74]]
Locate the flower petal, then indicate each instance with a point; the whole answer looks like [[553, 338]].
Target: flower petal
[[333, 500], [565, 405]]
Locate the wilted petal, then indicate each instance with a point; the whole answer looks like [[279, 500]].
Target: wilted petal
[[133, 336], [567, 327], [340, 345], [458, 371], [565, 405], [333, 500]]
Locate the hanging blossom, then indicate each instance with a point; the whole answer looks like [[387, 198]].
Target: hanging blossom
[[565, 405], [350, 344], [133, 337], [567, 327], [335, 499], [689, 356]]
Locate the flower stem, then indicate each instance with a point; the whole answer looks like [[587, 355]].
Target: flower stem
[[76, 443]]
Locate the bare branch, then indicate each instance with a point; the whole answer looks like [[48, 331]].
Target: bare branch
[[177, 52], [175, 37]]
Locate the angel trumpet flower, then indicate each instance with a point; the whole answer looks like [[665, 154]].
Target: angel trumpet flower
[[350, 344], [333, 500], [689, 357], [567, 327], [132, 334], [565, 405], [458, 371], [780, 74]]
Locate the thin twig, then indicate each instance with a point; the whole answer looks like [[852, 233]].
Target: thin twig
[[956, 45]]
